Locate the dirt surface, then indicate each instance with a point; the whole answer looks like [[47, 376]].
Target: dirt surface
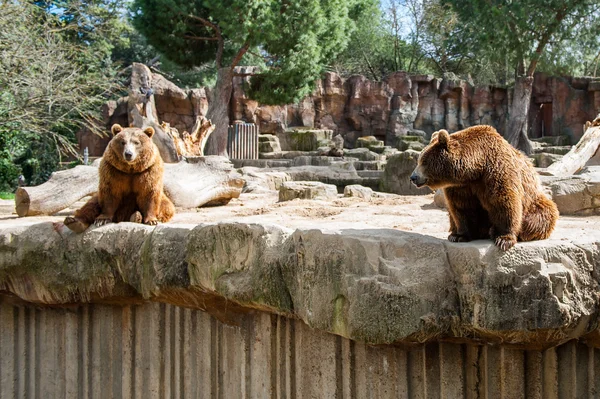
[[409, 213]]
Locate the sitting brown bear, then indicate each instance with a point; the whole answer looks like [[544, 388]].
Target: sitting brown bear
[[131, 183], [492, 190]]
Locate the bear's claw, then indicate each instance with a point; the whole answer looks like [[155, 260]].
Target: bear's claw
[[457, 238], [101, 222], [506, 242], [152, 222]]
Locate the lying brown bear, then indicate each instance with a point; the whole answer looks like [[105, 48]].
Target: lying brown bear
[[491, 189], [131, 183]]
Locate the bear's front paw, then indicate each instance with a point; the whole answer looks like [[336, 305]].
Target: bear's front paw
[[151, 222], [102, 220], [506, 241], [75, 225], [136, 217], [458, 238]]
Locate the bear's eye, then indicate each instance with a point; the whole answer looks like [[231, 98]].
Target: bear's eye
[[136, 142], [123, 142]]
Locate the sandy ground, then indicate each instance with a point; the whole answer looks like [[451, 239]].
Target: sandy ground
[[409, 213]]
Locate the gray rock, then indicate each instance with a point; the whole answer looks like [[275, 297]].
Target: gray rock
[[307, 190], [398, 169], [368, 142], [543, 160], [379, 286], [558, 150], [410, 145], [576, 195], [268, 143], [260, 180], [338, 142], [563, 140], [364, 154], [356, 190], [304, 139]]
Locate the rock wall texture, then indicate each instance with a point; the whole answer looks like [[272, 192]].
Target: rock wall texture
[[154, 350], [404, 104], [234, 310], [401, 104], [378, 286]]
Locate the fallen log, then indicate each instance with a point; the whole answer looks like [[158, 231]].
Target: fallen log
[[208, 181], [59, 192], [580, 154]]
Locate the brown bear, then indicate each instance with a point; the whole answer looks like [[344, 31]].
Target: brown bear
[[131, 184], [492, 190]]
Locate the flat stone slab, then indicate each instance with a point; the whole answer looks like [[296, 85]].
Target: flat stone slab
[[379, 272], [291, 190]]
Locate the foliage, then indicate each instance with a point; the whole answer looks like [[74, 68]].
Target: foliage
[[51, 83], [524, 28], [294, 40]]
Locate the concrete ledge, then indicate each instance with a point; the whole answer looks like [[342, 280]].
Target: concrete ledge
[[378, 286]]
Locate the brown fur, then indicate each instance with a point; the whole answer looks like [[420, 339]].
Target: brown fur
[[492, 190], [128, 190]]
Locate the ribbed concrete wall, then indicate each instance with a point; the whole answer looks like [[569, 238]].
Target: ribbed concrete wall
[[162, 351]]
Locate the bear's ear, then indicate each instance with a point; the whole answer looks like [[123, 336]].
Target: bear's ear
[[442, 136], [149, 131], [116, 129]]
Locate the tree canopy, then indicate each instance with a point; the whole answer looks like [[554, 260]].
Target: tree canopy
[[295, 40]]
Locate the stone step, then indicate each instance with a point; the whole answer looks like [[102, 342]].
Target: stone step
[[378, 174], [262, 163], [369, 165]]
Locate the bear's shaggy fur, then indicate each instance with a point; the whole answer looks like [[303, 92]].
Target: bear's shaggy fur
[[131, 183], [492, 190]]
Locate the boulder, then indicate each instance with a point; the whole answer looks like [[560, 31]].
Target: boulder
[[543, 160], [369, 142], [363, 154], [307, 190], [396, 178], [576, 195], [259, 180], [303, 139], [268, 143], [356, 190]]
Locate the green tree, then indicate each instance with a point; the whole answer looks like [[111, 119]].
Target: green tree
[[525, 29], [49, 87], [295, 40]]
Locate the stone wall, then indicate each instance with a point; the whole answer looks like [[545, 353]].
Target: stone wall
[[157, 350], [402, 103]]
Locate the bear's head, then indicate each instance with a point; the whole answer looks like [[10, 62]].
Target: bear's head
[[131, 148], [436, 164]]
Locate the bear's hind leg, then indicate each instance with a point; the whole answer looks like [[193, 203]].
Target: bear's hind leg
[[166, 209], [85, 216], [539, 220]]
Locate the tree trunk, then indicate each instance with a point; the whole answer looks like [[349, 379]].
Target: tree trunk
[[207, 181], [516, 133], [579, 155], [59, 192], [218, 112], [142, 111]]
